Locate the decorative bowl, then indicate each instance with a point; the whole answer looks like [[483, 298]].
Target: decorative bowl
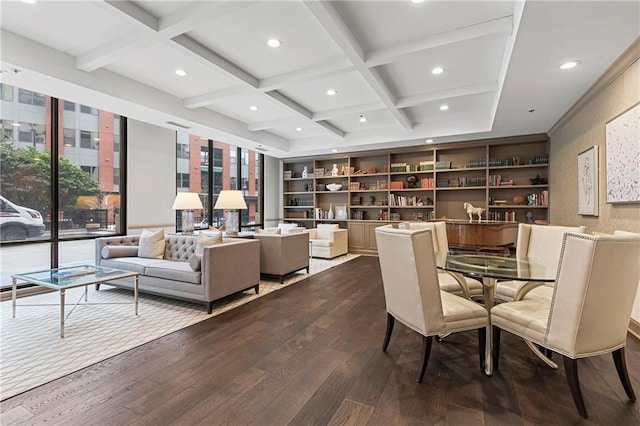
[[334, 187]]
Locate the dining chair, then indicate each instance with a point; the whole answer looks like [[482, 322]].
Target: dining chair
[[412, 292], [543, 243], [589, 311], [449, 282]]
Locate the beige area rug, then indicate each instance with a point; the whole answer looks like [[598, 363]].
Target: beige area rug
[[32, 352]]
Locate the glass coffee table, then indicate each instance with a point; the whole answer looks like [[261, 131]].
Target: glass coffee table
[[61, 279]]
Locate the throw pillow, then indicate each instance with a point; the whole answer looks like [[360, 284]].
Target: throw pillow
[[207, 240], [151, 244], [195, 261], [109, 252]]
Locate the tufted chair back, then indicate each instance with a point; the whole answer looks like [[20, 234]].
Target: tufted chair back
[[178, 248]]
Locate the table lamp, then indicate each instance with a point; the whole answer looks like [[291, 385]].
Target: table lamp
[[231, 201], [187, 202]]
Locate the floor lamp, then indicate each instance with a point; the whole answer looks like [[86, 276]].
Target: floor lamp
[[187, 202], [231, 201]]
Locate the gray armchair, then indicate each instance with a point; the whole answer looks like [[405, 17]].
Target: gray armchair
[[282, 254]]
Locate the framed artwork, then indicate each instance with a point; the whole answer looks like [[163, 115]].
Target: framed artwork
[[623, 157], [588, 182], [341, 212]]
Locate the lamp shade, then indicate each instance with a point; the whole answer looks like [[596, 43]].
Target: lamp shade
[[187, 201], [230, 200]]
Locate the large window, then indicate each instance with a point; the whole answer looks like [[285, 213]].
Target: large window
[[208, 178], [76, 198]]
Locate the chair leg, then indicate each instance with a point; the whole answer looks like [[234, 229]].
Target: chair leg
[[387, 336], [482, 344], [496, 347], [571, 370], [621, 367], [426, 351]]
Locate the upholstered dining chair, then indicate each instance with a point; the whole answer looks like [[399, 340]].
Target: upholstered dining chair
[[450, 282], [542, 242], [590, 308], [413, 296]]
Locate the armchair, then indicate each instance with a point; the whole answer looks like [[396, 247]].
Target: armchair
[[543, 242], [589, 311], [283, 254], [328, 241], [450, 282], [413, 296]]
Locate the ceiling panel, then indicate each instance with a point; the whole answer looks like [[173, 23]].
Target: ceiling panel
[[156, 66], [375, 120], [351, 89], [238, 108], [379, 24], [242, 38], [70, 27], [467, 62], [459, 106]]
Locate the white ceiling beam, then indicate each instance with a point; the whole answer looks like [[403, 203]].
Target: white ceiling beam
[[209, 98], [300, 110], [334, 66], [153, 30], [335, 27], [501, 27], [472, 89], [207, 57]]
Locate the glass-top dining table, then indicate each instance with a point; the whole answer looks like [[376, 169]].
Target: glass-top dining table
[[490, 269]]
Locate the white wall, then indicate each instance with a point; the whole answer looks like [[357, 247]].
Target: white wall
[[272, 191], [151, 179]]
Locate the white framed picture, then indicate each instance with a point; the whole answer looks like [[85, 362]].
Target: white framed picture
[[588, 182], [623, 157]]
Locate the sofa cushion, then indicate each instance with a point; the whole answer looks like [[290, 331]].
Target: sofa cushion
[[274, 231], [208, 239], [324, 231], [151, 244], [175, 271], [322, 243], [195, 261], [133, 264], [109, 252]]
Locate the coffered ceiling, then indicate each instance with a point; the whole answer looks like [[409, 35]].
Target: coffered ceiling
[[500, 62]]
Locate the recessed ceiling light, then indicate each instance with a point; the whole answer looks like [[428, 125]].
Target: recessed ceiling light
[[417, 1], [437, 70], [29, 1], [569, 65], [15, 123], [363, 119], [180, 72], [444, 107], [253, 108], [274, 42], [298, 129], [331, 92], [429, 141], [334, 150]]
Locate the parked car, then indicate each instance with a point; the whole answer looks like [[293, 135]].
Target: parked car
[[19, 223]]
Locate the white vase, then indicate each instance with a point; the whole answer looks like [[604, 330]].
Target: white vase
[[330, 214]]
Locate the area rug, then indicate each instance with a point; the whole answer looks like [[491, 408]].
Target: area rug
[[32, 352]]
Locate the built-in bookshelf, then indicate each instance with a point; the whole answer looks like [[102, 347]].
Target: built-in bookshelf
[[508, 177]]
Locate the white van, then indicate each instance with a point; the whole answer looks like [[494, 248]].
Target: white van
[[19, 223]]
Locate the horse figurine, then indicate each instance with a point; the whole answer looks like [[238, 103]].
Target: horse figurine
[[473, 210]]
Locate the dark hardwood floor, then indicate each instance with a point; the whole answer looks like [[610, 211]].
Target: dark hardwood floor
[[310, 354]]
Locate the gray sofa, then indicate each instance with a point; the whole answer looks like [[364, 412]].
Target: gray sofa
[[222, 270]]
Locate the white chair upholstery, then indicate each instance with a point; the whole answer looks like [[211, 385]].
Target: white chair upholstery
[[328, 241], [413, 295], [590, 308], [468, 287], [544, 243]]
